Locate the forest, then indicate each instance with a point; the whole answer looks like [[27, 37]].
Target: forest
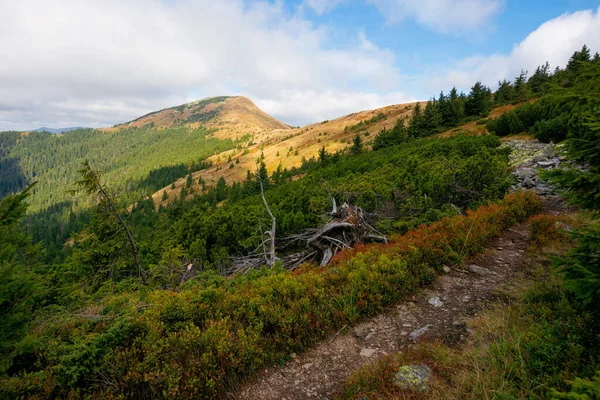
[[106, 296]]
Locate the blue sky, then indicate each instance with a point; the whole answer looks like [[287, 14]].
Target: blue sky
[[101, 62]]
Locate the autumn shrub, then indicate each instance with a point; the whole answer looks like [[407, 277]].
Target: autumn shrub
[[200, 342], [544, 229]]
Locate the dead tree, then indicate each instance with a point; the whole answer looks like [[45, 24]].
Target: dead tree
[[271, 257], [91, 184]]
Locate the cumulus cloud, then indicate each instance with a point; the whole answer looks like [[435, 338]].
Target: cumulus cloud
[[444, 16], [553, 41], [97, 63]]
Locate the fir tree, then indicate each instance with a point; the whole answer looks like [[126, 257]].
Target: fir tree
[[357, 145], [479, 101]]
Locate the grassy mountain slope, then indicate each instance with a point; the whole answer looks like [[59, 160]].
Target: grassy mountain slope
[[287, 147], [134, 156], [230, 117]]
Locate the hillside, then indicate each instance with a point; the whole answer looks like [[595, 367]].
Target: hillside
[[229, 117], [288, 147], [138, 157]]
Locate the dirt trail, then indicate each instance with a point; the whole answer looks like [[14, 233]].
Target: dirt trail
[[437, 311]]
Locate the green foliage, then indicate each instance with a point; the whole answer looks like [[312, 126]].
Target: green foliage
[[568, 100], [581, 266], [125, 156], [479, 102], [581, 389], [199, 342], [21, 291]]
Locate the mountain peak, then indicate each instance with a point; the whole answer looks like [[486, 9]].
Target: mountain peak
[[228, 113]]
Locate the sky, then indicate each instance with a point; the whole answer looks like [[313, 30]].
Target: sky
[[101, 62]]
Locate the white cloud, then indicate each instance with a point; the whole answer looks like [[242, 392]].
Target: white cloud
[[99, 62], [444, 16], [315, 105], [553, 41]]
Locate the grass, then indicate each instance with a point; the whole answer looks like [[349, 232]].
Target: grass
[[532, 346]]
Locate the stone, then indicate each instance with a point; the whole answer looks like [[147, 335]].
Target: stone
[[459, 323], [414, 377], [367, 352], [460, 285], [528, 183], [417, 333], [479, 270], [436, 302], [446, 269], [307, 366], [545, 164]]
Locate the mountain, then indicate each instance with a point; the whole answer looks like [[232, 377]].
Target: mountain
[[229, 116], [279, 144], [57, 130], [138, 157]]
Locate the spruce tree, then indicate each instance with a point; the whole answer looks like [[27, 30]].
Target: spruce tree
[[357, 145], [479, 102]]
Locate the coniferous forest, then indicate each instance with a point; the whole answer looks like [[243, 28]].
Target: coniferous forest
[[105, 295]]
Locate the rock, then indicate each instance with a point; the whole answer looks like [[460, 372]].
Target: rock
[[307, 366], [367, 352], [528, 183], [446, 269], [525, 173], [459, 324], [479, 270], [436, 302], [413, 377], [545, 164], [417, 333], [460, 285]]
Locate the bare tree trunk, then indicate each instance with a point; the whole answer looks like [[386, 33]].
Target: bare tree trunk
[[271, 259], [141, 272]]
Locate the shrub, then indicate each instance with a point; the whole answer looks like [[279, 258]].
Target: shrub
[[201, 341]]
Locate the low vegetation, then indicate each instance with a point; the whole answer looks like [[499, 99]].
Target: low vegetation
[[201, 340]]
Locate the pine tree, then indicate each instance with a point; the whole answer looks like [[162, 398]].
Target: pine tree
[[189, 181], [357, 145], [539, 80], [91, 184], [165, 196], [414, 127], [522, 93], [581, 266], [505, 93], [479, 101], [577, 58], [323, 156]]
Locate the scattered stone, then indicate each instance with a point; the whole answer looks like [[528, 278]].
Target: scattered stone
[[479, 270], [370, 335], [413, 377], [436, 302], [446, 269], [307, 366], [367, 352], [459, 324], [417, 333], [460, 285]]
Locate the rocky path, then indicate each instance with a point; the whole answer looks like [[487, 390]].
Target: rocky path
[[438, 311]]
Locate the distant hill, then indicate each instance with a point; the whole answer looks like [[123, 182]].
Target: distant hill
[[57, 130], [231, 117]]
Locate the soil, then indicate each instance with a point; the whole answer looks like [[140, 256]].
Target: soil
[[440, 311]]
